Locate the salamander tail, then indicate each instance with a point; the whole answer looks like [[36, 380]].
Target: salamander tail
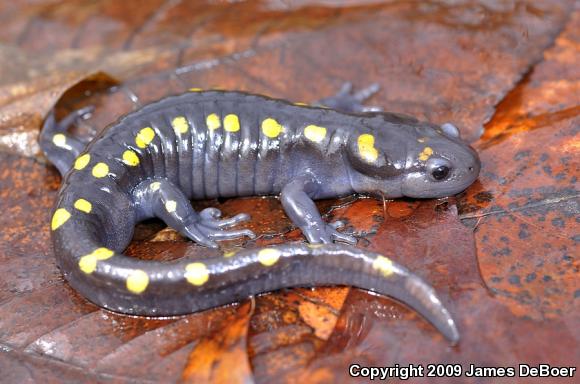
[[96, 268], [306, 265]]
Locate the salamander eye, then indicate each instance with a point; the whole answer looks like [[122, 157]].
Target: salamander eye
[[440, 173], [438, 168]]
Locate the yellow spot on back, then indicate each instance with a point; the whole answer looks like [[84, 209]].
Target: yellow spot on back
[[88, 263], [83, 205], [155, 186], [100, 170], [59, 140], [180, 124], [231, 123], [196, 273], [271, 128], [170, 206], [130, 158], [137, 281], [314, 246], [366, 147], [229, 254], [145, 137], [82, 161], [300, 104], [213, 122], [195, 89], [315, 133], [268, 256], [383, 265], [425, 154], [60, 217]]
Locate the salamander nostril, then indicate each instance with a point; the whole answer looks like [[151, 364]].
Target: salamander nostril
[[470, 169]]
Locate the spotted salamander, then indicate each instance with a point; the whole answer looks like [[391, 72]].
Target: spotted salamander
[[211, 144]]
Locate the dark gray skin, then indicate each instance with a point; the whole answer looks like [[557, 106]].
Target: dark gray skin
[[152, 162]]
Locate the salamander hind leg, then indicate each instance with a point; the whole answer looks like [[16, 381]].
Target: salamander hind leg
[[347, 101], [58, 146], [163, 199]]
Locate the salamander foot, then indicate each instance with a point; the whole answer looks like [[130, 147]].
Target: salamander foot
[[58, 145], [346, 101], [209, 227], [327, 233], [204, 233], [210, 217]]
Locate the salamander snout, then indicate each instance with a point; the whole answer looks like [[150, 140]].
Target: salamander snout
[[439, 165]]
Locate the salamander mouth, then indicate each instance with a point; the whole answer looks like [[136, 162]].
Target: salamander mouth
[[423, 188]]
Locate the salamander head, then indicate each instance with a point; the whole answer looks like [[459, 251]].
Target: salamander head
[[413, 159], [439, 163]]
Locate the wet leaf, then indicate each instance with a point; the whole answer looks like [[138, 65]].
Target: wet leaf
[[24, 105], [526, 206], [214, 357], [501, 256]]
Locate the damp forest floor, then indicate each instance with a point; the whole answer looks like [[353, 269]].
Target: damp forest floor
[[502, 255]]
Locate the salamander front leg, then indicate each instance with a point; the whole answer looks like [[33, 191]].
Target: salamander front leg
[[297, 202], [161, 198], [347, 101]]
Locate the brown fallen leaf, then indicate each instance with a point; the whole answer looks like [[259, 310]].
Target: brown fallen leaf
[[434, 60], [319, 317], [222, 356], [27, 97], [526, 205], [23, 107]]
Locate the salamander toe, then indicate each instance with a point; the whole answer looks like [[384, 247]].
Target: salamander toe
[[347, 101], [212, 222], [327, 234]]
